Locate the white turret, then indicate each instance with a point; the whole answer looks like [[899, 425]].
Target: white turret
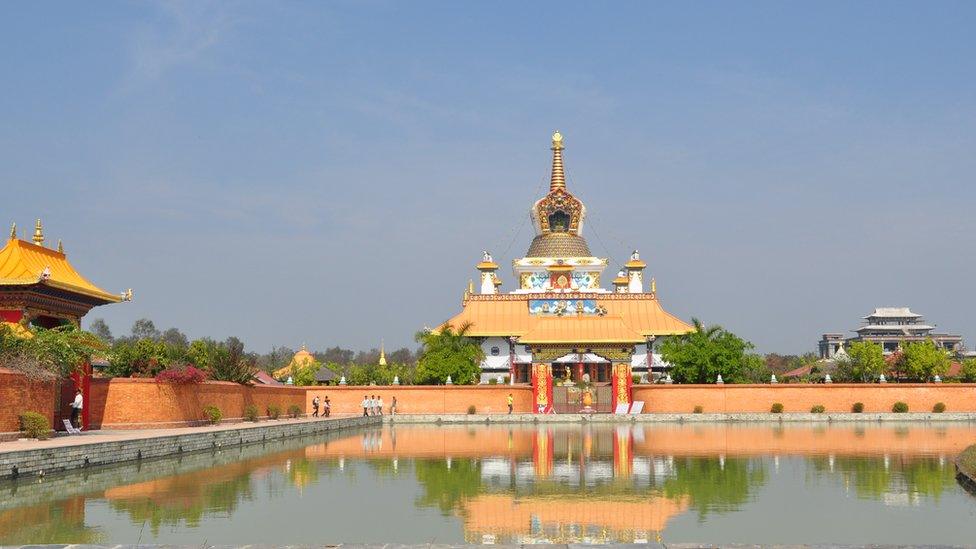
[[635, 273]]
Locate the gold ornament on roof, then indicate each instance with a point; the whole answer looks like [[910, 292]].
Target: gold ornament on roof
[[38, 233], [13, 231], [558, 179], [60, 247]]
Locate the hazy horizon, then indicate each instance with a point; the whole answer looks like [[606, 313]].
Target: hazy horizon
[[329, 174]]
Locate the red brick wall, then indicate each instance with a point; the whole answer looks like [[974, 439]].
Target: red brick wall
[[120, 403], [836, 397], [426, 399], [18, 395]]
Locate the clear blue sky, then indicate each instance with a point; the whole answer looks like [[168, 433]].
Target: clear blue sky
[[330, 172]]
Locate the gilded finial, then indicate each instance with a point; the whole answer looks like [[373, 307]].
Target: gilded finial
[[558, 179], [470, 286], [557, 140], [653, 286], [382, 353], [13, 231], [60, 247], [38, 233]]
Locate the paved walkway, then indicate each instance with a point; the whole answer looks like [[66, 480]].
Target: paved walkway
[[95, 437]]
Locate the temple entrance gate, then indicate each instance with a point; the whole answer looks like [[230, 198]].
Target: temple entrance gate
[[573, 388]]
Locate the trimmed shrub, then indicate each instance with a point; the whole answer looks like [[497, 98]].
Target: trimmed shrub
[[698, 409], [493, 381], [507, 379], [295, 411], [250, 413], [182, 375], [274, 411], [212, 414], [777, 408], [472, 410], [858, 408], [635, 380], [900, 408], [35, 425], [939, 407], [818, 409]]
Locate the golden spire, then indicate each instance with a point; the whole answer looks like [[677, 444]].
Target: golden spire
[[382, 354], [558, 179], [13, 231], [470, 286], [38, 233], [653, 286], [60, 247]]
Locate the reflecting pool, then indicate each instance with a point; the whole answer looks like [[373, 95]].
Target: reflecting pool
[[741, 483]]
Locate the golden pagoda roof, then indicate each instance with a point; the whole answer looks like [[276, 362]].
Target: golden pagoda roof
[[508, 314], [25, 264], [558, 245], [301, 358], [590, 329]]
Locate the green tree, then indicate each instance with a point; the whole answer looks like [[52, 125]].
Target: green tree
[[233, 364], [968, 371], [145, 329], [755, 369], [924, 360], [864, 363], [705, 353], [55, 352], [448, 352], [101, 331], [140, 358], [303, 374]]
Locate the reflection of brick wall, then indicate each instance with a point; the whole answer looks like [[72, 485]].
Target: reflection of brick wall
[[18, 395], [121, 403], [435, 399], [836, 397]]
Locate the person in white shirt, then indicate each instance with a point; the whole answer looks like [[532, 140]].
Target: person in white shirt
[[379, 405], [365, 403], [76, 407]]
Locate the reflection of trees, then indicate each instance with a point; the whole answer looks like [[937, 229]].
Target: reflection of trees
[[444, 487], [872, 478], [302, 472], [49, 523], [186, 500], [712, 486]]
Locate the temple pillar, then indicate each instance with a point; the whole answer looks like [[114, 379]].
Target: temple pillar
[[542, 388], [622, 384]]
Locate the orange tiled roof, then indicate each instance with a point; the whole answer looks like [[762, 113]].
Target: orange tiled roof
[[22, 264], [592, 329], [508, 314]]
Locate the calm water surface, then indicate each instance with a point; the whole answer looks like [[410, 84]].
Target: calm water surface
[[411, 484]]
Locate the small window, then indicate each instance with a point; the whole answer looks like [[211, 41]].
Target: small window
[[494, 351]]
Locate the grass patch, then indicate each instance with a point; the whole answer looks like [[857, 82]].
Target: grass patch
[[967, 462]]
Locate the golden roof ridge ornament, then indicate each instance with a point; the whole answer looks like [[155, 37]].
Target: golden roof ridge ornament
[[13, 231], [38, 233], [60, 247], [558, 177]]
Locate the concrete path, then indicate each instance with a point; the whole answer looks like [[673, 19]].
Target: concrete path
[[97, 437]]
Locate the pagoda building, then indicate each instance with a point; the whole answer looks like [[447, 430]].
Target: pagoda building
[[891, 328], [559, 325], [40, 288]]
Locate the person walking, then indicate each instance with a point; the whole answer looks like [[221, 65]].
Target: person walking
[[379, 405], [315, 406], [327, 407], [511, 402], [393, 406], [76, 407], [365, 404]]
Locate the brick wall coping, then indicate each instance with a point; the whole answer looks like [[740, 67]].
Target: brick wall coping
[[682, 418]]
